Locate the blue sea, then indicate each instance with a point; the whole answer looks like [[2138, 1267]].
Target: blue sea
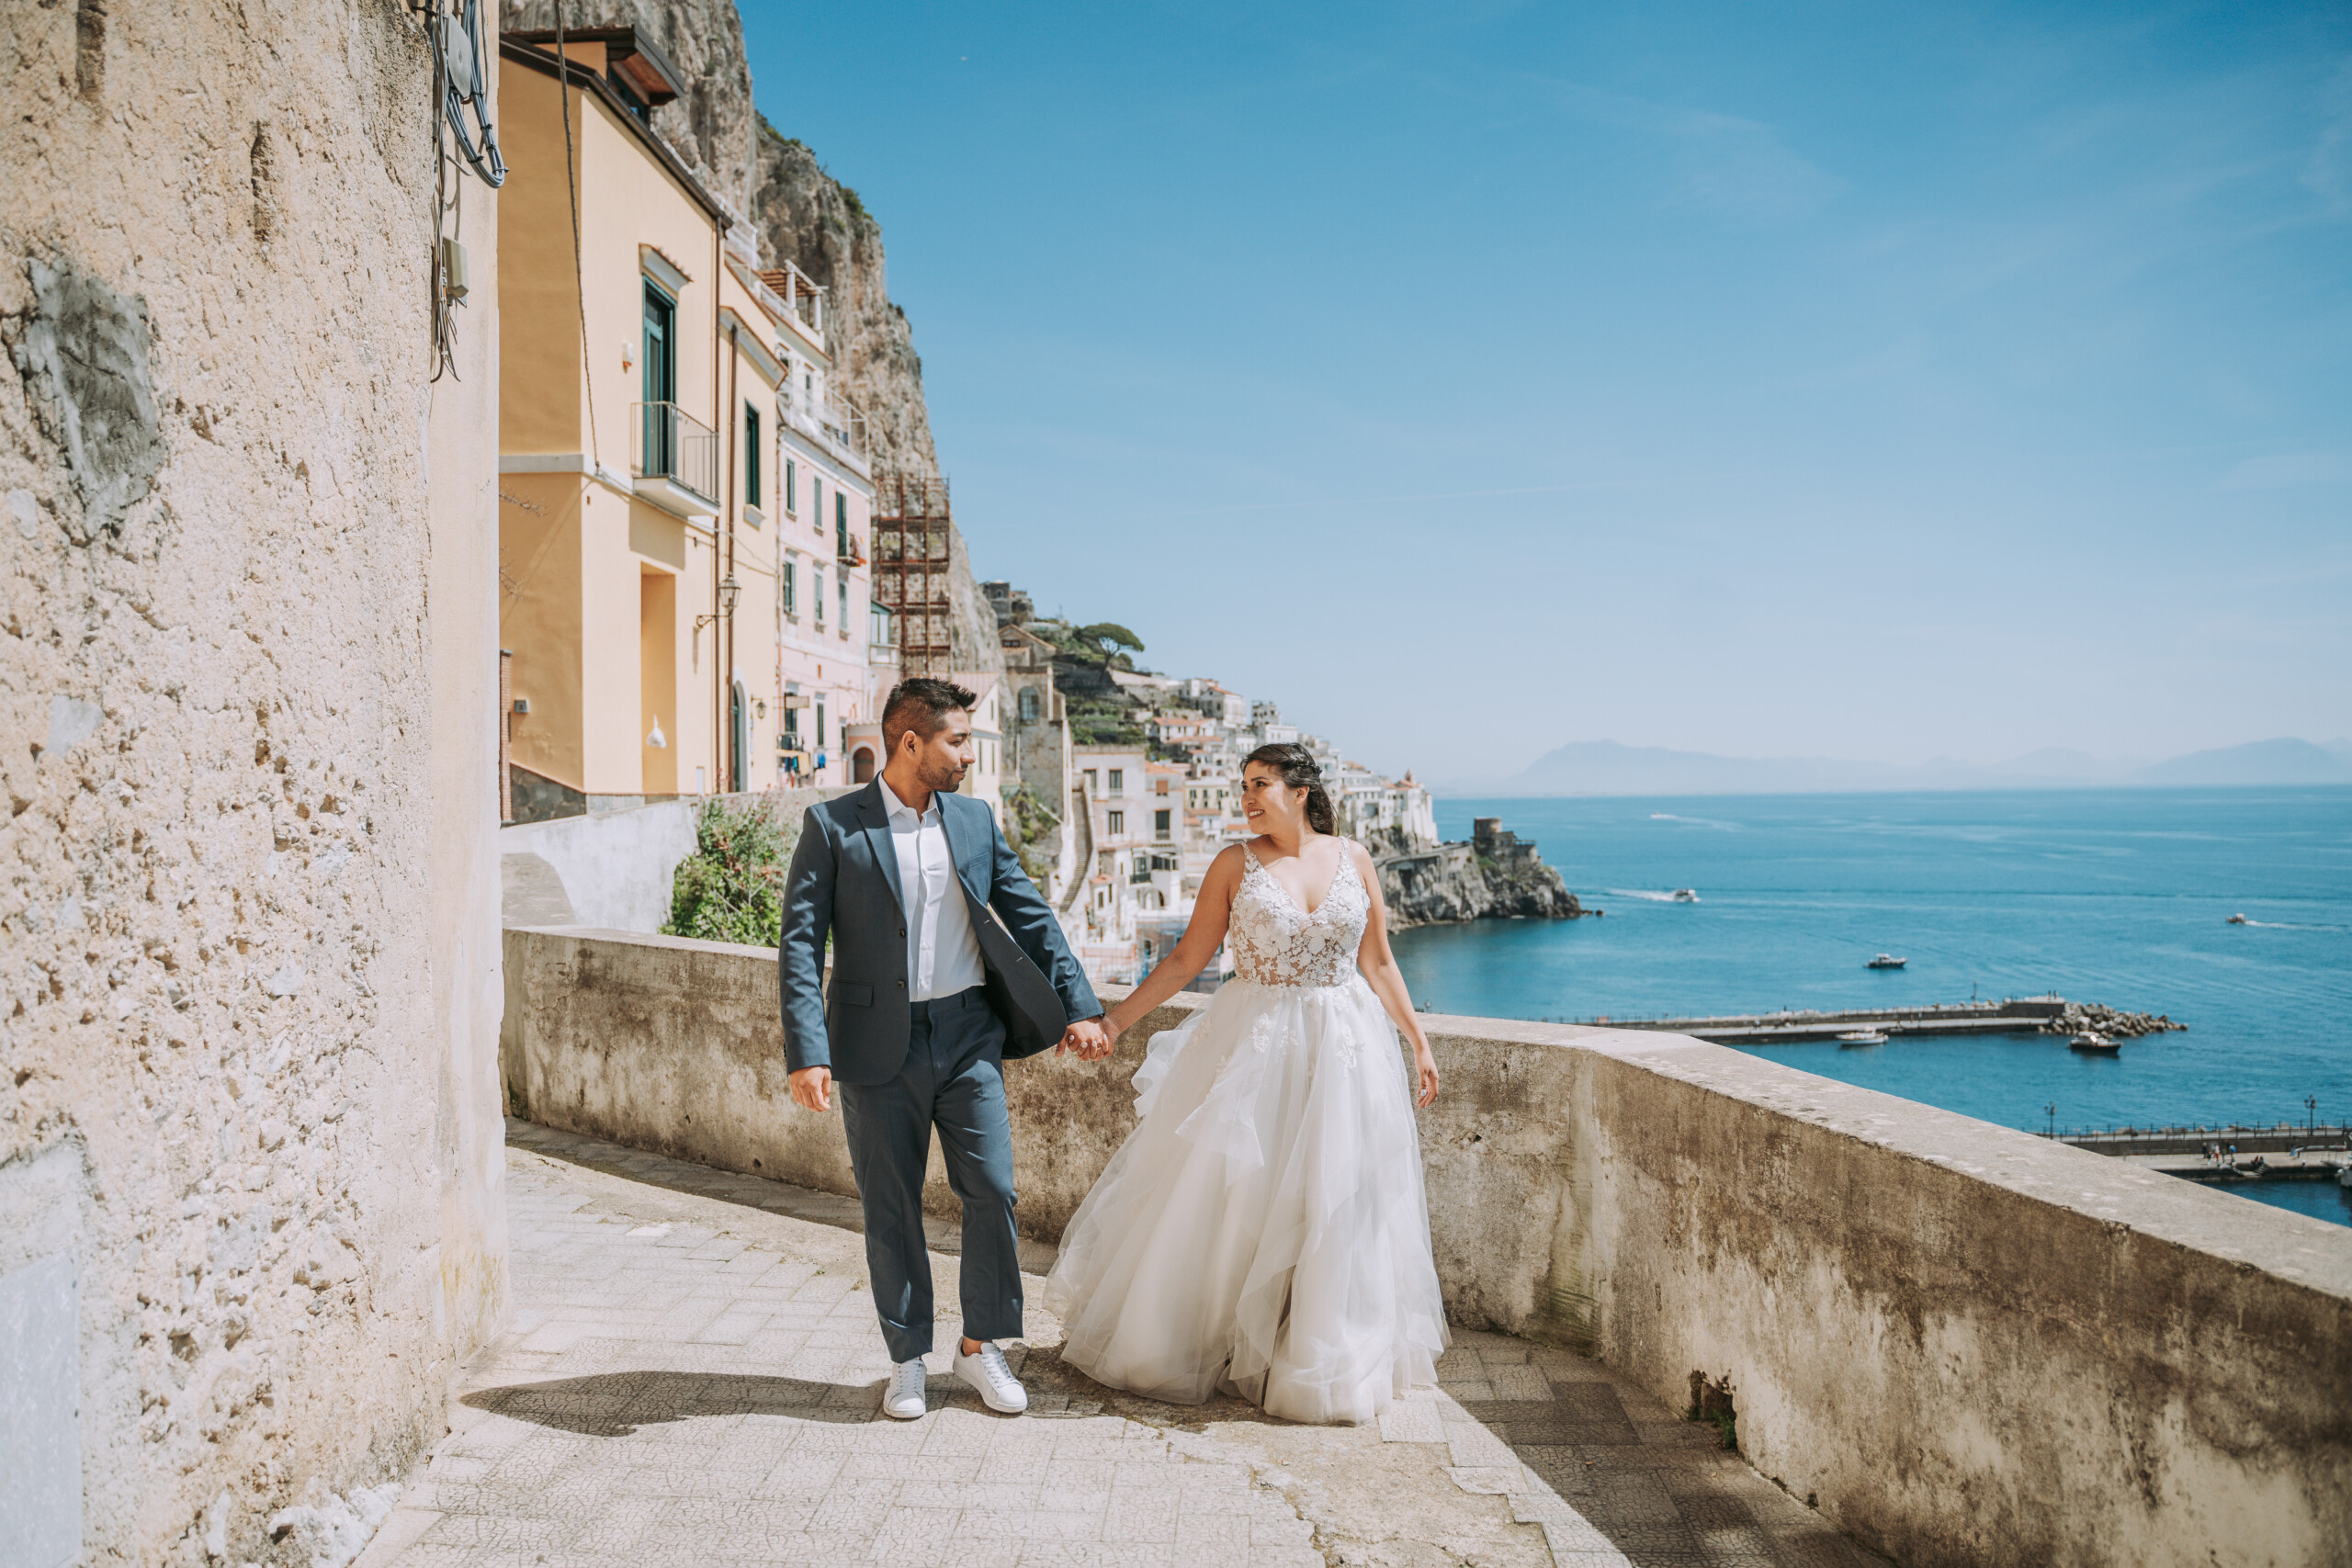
[[2116, 896]]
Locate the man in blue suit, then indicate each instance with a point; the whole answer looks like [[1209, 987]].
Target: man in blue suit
[[947, 962]]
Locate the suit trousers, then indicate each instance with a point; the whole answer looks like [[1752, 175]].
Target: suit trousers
[[953, 1079]]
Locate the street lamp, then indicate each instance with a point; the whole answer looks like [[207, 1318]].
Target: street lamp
[[729, 591], [2311, 1116], [2052, 1109]]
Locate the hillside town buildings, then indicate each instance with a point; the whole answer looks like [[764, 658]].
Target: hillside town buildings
[[1146, 816]]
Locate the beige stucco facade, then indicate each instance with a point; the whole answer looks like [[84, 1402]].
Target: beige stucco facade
[[695, 444], [251, 1179]]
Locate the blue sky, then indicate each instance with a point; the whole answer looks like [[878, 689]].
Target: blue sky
[[1879, 381]]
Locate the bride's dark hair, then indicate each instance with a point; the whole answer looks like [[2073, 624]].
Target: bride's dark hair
[[1299, 770]]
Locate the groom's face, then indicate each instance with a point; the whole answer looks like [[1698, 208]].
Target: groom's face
[[946, 756]]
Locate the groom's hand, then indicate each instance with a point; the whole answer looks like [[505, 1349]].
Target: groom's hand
[[1088, 1038], [812, 1088]]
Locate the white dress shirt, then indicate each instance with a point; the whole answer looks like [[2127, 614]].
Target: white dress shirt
[[942, 955]]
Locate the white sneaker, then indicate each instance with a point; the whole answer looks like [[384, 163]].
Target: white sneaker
[[903, 1398], [985, 1371]]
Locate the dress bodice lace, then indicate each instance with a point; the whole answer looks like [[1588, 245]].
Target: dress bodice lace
[[1275, 943]]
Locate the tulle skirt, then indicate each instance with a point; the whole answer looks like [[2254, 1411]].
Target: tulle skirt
[[1263, 1230]]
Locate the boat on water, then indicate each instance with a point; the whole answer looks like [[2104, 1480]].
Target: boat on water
[[1862, 1037], [2235, 920], [1684, 895], [2092, 1041], [1888, 961]]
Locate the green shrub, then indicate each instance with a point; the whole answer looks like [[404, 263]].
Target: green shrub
[[732, 887]]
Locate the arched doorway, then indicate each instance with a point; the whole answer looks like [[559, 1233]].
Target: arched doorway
[[739, 730], [861, 765]]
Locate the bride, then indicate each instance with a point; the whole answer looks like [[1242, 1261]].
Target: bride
[[1263, 1230]]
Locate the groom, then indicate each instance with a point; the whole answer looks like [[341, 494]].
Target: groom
[[930, 996]]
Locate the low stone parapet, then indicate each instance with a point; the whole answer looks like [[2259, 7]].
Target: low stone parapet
[[1965, 1344]]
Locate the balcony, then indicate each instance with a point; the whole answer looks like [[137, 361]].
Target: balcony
[[791, 293], [849, 549], [831, 419], [674, 457]]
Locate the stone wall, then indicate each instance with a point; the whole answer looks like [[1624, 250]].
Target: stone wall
[[250, 1171], [1965, 1345]]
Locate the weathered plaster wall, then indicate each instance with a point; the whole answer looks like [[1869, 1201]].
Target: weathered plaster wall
[[248, 878], [1968, 1345]]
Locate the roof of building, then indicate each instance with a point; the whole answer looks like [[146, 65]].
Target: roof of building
[[518, 48]]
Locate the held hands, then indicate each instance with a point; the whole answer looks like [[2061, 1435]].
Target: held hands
[[812, 1088], [1090, 1039]]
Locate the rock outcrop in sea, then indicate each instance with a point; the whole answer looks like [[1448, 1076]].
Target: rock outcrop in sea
[[2078, 1017], [1496, 874]]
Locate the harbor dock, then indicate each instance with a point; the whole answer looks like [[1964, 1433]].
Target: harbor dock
[[2010, 1015]]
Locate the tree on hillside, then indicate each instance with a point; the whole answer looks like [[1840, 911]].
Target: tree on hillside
[[1107, 637]]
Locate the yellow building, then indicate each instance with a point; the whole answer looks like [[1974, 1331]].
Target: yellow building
[[657, 523]]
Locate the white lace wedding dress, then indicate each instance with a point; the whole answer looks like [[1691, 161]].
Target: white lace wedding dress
[[1263, 1230]]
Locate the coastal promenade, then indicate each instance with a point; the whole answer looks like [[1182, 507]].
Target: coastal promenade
[[1932, 1326], [693, 1376]]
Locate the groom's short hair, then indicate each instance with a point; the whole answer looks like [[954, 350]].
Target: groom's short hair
[[920, 705]]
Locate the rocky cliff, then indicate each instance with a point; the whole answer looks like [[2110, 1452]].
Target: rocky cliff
[[1431, 885], [807, 217]]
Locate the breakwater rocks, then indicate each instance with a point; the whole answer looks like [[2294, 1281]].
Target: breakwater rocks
[[1495, 875], [2076, 1017]]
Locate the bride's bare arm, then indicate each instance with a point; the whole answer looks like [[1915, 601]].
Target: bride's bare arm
[[1203, 936], [1387, 981]]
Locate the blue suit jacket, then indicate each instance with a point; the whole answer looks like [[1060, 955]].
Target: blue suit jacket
[[844, 880]]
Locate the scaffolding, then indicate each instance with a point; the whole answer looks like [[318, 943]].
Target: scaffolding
[[911, 530]]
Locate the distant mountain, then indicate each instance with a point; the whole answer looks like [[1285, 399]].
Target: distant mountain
[[1605, 767], [2259, 761]]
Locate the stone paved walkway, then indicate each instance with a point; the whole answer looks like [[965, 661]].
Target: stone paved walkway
[[694, 1378]]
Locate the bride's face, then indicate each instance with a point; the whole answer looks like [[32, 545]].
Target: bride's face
[[1267, 804]]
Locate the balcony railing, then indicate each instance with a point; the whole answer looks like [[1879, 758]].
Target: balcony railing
[[668, 443], [845, 422], [839, 421], [849, 549]]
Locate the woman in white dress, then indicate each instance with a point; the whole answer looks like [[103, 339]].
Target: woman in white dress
[[1263, 1230]]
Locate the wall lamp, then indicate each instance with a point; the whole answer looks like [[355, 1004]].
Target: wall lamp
[[729, 591]]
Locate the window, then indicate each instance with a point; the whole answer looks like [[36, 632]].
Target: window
[[1160, 824], [817, 594], [1160, 786], [820, 724], [792, 592], [841, 580], [1093, 783], [840, 523], [791, 487], [1029, 703], [751, 456], [816, 502], [1118, 783], [1118, 823]]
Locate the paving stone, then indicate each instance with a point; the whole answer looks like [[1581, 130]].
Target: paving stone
[[1412, 1421], [683, 1387]]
